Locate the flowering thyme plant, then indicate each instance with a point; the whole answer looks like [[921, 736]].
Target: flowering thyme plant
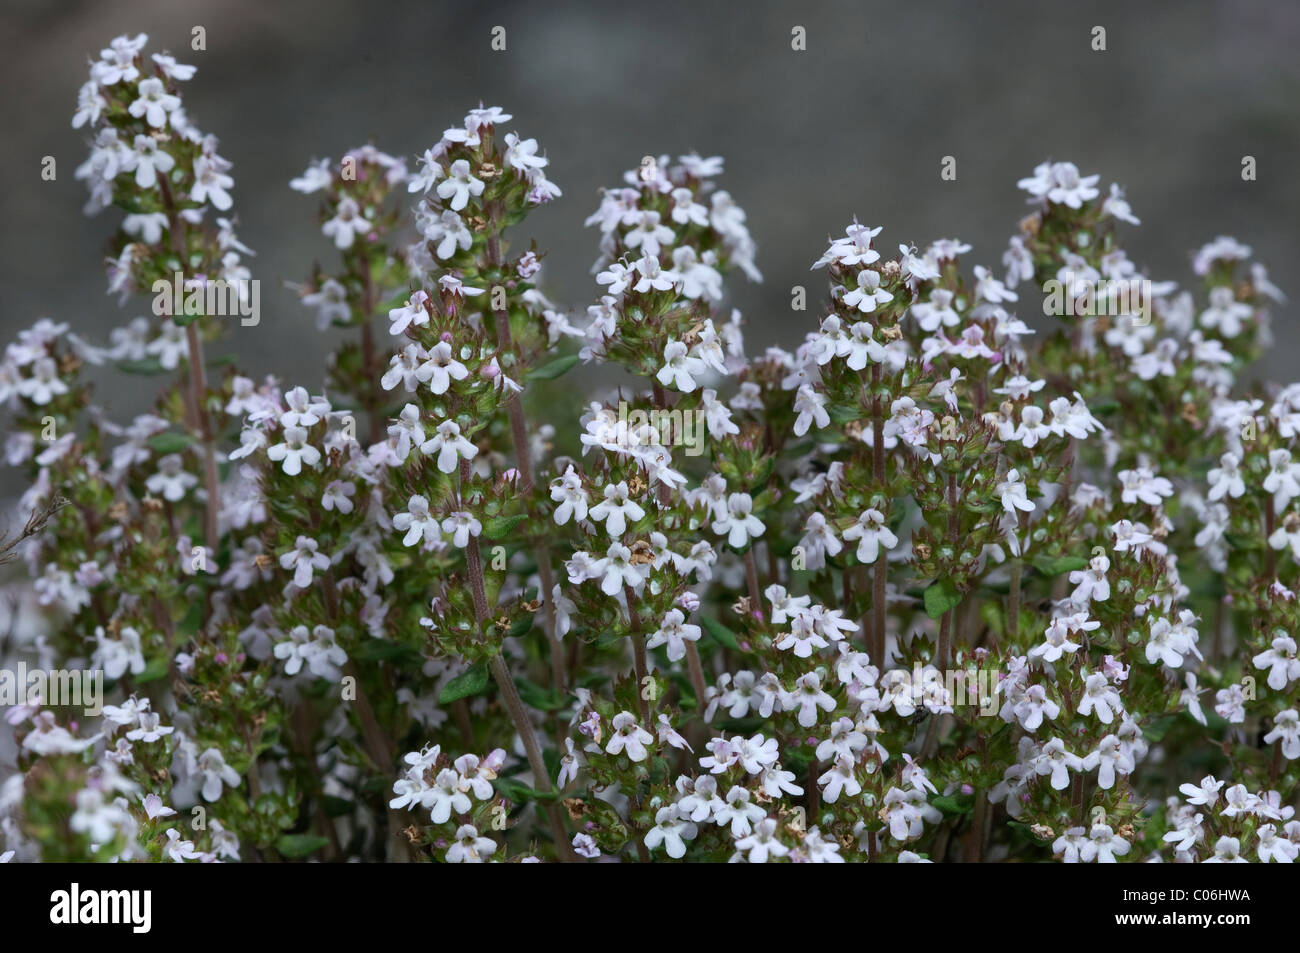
[[931, 587]]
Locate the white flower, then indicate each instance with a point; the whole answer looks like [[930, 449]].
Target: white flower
[[1142, 485], [811, 408], [674, 632], [738, 522], [469, 847], [155, 808], [179, 850], [211, 183], [440, 369], [338, 496], [1054, 760], [1276, 849], [294, 451], [304, 559], [316, 177], [762, 843], [154, 103], [1286, 729], [347, 224], [461, 526], [629, 737], [171, 481], [646, 233], [1012, 492], [616, 570], [1116, 206], [616, 509], [1283, 479], [212, 766], [937, 311], [447, 233], [459, 185], [1091, 584], [1102, 845], [808, 696], [654, 277], [868, 294], [449, 445], [1225, 312], [445, 796], [416, 522], [872, 533], [1207, 794], [680, 369], [671, 831], [117, 655], [1100, 695], [411, 313], [567, 490], [1170, 643], [1280, 659], [1227, 850]]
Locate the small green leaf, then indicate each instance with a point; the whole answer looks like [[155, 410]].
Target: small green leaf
[[171, 442], [300, 845], [535, 696], [1058, 565], [940, 597], [1156, 730], [156, 669], [381, 650], [556, 368], [518, 792], [721, 634], [954, 803], [499, 527], [465, 685]]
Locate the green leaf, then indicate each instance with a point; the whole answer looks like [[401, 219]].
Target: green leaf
[[381, 650], [1058, 565], [1156, 730], [842, 414], [535, 696], [954, 804], [1027, 832], [940, 597], [499, 527], [300, 845], [147, 365], [519, 792], [156, 669], [721, 634], [556, 368], [171, 442], [465, 685]]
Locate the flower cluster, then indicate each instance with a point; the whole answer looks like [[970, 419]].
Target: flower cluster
[[929, 586]]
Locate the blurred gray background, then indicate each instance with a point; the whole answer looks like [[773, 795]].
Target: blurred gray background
[[858, 124]]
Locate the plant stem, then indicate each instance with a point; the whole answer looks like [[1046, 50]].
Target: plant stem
[[524, 463], [510, 694], [878, 589], [1013, 604], [751, 579], [198, 391], [515, 705], [640, 662]]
